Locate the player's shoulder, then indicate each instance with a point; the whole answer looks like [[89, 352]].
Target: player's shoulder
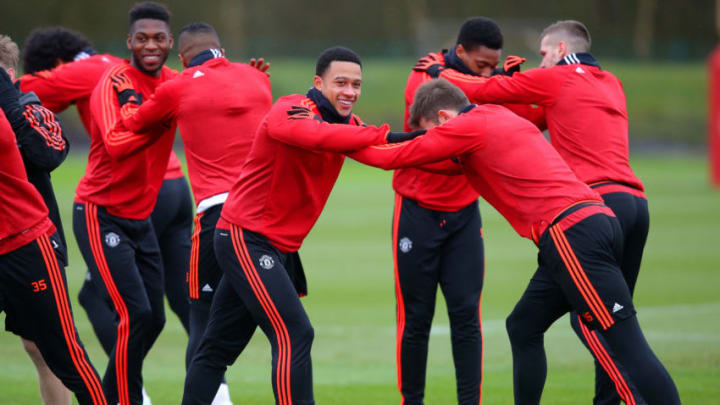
[[355, 120], [295, 99], [249, 72], [168, 73], [285, 103]]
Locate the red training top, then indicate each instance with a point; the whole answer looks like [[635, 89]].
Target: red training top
[[290, 171], [126, 186], [24, 214], [74, 82], [505, 158], [586, 116], [439, 191], [218, 106]]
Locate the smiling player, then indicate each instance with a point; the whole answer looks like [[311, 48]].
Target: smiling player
[[115, 198]]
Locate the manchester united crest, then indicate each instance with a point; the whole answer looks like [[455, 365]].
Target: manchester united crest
[[266, 262], [405, 245]]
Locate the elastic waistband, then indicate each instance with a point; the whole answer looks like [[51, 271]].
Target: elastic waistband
[[607, 187], [211, 201], [570, 216]]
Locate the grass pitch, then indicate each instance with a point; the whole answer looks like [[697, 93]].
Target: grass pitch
[[351, 303]]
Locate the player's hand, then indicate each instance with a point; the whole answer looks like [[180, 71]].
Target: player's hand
[[260, 65], [125, 90], [394, 137], [9, 96], [511, 65], [431, 64], [297, 112]]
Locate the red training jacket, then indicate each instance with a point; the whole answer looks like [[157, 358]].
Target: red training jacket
[[126, 186], [586, 116], [505, 158], [24, 214], [290, 171], [218, 106], [74, 82], [438, 191]]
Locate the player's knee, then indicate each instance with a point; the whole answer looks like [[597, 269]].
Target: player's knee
[[465, 324], [34, 352], [142, 317], [157, 321], [515, 329], [84, 297], [304, 335]]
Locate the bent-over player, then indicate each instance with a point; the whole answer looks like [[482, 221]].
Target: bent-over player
[[507, 160], [588, 125]]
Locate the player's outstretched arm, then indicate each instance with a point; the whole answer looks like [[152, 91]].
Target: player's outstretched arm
[[159, 110], [57, 88], [454, 138], [297, 126], [119, 100]]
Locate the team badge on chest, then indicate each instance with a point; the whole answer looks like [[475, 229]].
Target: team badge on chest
[[266, 262]]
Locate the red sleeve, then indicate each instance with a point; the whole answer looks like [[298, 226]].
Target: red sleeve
[[319, 135], [159, 108], [447, 167], [119, 141], [536, 86], [58, 87], [456, 137]]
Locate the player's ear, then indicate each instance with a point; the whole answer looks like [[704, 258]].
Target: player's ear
[[317, 82], [460, 51], [223, 51], [444, 115], [562, 49], [129, 45], [172, 41], [12, 73]]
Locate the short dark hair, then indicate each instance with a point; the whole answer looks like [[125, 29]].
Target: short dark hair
[[433, 96], [336, 53], [198, 28], [151, 10], [480, 31], [44, 46], [573, 32]]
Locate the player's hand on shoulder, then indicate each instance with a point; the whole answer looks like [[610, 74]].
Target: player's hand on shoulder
[[261, 65], [432, 64], [125, 90]]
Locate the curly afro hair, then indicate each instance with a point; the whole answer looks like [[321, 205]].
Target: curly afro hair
[[45, 48]]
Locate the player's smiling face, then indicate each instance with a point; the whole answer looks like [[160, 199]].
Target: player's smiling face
[[150, 42], [341, 84]]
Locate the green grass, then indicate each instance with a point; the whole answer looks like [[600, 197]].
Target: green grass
[[351, 302]]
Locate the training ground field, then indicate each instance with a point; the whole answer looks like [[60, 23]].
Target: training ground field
[[351, 303]]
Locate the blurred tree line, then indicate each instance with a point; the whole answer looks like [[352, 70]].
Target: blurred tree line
[[643, 29]]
